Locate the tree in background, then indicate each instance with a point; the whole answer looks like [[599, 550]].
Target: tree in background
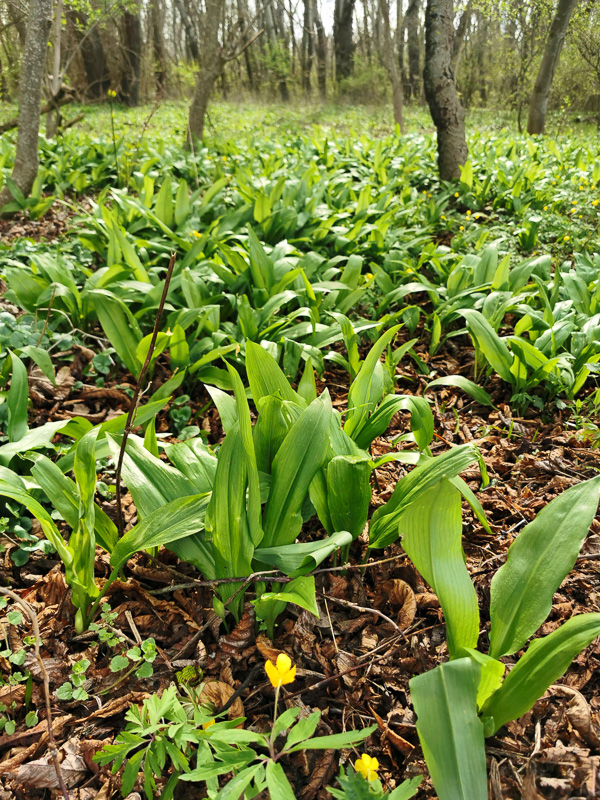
[[388, 57], [440, 89], [342, 38], [33, 68], [539, 99]]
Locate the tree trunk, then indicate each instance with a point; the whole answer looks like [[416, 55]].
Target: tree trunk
[[158, 45], [459, 36], [242, 6], [440, 89], [342, 38], [132, 48], [414, 49], [33, 67], [541, 91], [307, 45], [92, 55], [212, 64], [389, 61], [53, 117], [321, 52], [191, 39]]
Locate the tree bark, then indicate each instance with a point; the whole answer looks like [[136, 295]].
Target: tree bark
[[539, 99], [92, 55], [459, 36], [212, 63], [440, 89], [33, 67], [321, 52], [158, 45], [389, 61], [53, 117], [307, 45], [132, 48], [413, 48], [342, 38]]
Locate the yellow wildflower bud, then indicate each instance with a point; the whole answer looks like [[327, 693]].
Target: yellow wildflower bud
[[566, 238], [208, 724], [468, 213], [367, 767], [456, 194], [281, 672], [462, 227]]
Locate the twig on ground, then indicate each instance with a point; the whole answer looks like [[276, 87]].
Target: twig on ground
[[365, 609], [46, 682], [136, 394]]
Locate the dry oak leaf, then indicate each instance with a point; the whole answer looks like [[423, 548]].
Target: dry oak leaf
[[42, 773], [393, 738], [117, 705], [266, 649], [399, 593], [219, 693]]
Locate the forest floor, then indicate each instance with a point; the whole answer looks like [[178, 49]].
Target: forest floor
[[380, 623]]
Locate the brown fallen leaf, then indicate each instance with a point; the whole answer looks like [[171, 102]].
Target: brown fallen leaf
[[241, 636], [266, 649], [42, 774], [393, 738], [400, 595], [218, 694], [117, 705]]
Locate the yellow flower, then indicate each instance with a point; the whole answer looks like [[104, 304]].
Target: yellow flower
[[208, 724], [455, 194], [594, 202], [368, 276], [111, 93], [196, 234], [462, 227], [281, 672], [442, 217], [468, 213], [545, 208], [367, 767], [574, 202], [566, 238]]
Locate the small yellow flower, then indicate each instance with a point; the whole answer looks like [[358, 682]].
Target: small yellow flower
[[574, 202], [208, 724], [281, 672], [535, 252], [456, 194], [367, 767], [580, 188], [368, 276], [196, 234], [545, 208], [468, 213], [566, 238], [553, 183], [594, 202], [111, 93], [581, 216], [442, 217], [462, 227], [429, 194]]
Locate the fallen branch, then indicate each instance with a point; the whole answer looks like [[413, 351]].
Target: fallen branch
[[46, 682], [51, 106]]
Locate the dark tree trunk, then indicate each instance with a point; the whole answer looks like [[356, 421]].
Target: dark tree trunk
[[440, 89], [132, 51], [242, 7], [388, 57], [191, 38], [158, 45], [459, 36], [321, 52], [414, 49], [307, 45], [342, 38], [541, 91], [92, 55], [33, 68], [212, 64]]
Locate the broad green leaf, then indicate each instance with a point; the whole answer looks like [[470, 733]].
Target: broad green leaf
[[471, 388], [538, 560], [432, 528], [349, 493], [492, 672], [383, 529], [450, 731], [301, 454], [234, 788], [366, 389], [120, 327], [491, 345], [545, 661], [336, 741], [303, 729], [265, 377], [300, 592], [301, 557], [16, 400], [182, 517], [277, 783]]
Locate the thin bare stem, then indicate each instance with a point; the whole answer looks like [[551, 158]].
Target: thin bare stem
[[136, 394]]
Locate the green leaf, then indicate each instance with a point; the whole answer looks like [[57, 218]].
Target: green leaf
[[545, 661], [366, 389], [349, 493], [301, 454], [301, 557], [120, 327], [234, 788], [300, 592], [383, 528], [491, 345], [277, 783], [265, 377], [537, 562], [476, 392], [336, 741], [450, 731], [16, 400], [492, 672], [303, 729], [170, 522], [432, 528]]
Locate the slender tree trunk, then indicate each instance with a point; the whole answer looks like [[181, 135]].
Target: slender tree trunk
[[242, 7], [440, 89], [459, 36], [132, 46], [321, 53], [342, 38], [307, 45], [539, 99], [53, 117], [191, 39], [389, 61], [158, 45], [33, 67], [414, 48]]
